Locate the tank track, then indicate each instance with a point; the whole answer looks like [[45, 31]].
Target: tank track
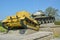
[[45, 20]]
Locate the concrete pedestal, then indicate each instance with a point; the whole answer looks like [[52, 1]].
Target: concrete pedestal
[[28, 35]]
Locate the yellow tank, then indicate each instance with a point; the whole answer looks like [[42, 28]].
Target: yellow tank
[[20, 20]]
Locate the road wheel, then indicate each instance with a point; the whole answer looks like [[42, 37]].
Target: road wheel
[[46, 21], [42, 21], [51, 21], [39, 22]]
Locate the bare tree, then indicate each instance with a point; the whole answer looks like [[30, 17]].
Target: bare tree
[[50, 11]]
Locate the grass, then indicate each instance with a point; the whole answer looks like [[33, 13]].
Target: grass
[[2, 29], [57, 22], [57, 36]]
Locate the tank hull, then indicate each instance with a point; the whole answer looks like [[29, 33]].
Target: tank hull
[[45, 19]]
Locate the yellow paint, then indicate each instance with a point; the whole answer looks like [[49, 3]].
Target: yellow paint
[[14, 21]]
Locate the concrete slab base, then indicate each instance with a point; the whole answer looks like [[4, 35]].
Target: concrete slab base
[[29, 35]]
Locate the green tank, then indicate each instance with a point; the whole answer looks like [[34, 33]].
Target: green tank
[[42, 18]]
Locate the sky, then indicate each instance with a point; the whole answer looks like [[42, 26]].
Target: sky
[[10, 7]]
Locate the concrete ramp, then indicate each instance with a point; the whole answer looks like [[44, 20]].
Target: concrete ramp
[[39, 36], [33, 35]]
